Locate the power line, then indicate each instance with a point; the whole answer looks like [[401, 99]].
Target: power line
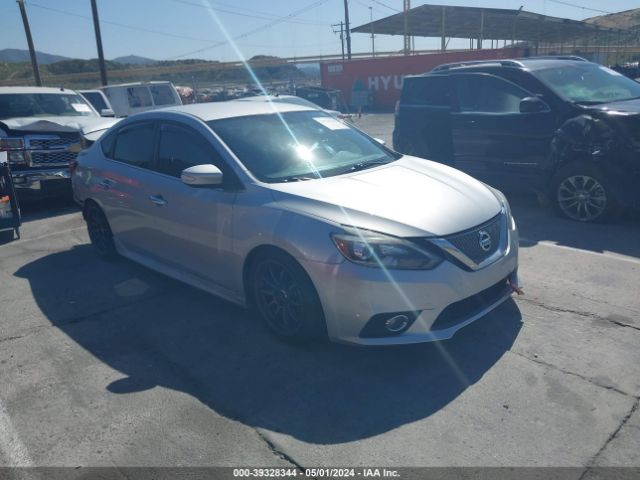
[[579, 6], [255, 30], [386, 6], [122, 25], [255, 13], [368, 6]]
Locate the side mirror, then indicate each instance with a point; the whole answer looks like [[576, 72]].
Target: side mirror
[[201, 175], [533, 105], [107, 112], [380, 141]]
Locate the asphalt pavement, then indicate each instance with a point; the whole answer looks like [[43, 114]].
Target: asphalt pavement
[[111, 364]]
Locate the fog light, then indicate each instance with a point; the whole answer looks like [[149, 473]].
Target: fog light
[[396, 323]]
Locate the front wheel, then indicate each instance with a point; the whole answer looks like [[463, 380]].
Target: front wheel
[[582, 193], [286, 299]]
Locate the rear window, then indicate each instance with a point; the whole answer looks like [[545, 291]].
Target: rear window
[[431, 90], [139, 97], [162, 95]]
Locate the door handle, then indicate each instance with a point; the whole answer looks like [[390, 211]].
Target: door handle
[[105, 184], [158, 200], [468, 122]]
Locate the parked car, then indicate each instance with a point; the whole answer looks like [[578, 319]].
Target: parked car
[[98, 101], [287, 209], [130, 98], [563, 126], [41, 132]]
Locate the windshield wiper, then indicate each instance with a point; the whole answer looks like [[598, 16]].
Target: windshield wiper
[[296, 178], [367, 164]]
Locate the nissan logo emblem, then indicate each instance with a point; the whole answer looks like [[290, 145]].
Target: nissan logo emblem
[[484, 240]]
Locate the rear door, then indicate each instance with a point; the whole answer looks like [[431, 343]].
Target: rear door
[[492, 140], [423, 119], [120, 182]]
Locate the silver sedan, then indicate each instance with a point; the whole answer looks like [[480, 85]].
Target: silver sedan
[[285, 209]]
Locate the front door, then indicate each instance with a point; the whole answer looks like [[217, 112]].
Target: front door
[[492, 140], [189, 227]]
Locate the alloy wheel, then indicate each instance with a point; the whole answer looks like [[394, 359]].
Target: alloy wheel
[[279, 297], [582, 198]]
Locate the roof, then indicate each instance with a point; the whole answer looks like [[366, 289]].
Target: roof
[[488, 23], [138, 84], [26, 90], [231, 108], [529, 63]]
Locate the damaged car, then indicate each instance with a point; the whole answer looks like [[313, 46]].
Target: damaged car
[[41, 132], [562, 126]]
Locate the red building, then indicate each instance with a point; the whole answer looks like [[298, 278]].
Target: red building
[[380, 79]]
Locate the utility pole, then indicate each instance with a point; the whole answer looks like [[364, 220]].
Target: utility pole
[[341, 24], [96, 27], [346, 27], [407, 37], [32, 50], [373, 37]]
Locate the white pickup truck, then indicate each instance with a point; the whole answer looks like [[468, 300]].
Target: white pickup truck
[[41, 132]]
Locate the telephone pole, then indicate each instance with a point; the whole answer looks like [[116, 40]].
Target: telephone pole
[[341, 24], [346, 27], [32, 50], [96, 27]]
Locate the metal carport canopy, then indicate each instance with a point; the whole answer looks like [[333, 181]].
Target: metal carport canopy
[[486, 23]]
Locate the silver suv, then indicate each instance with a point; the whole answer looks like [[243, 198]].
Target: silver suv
[[320, 228]]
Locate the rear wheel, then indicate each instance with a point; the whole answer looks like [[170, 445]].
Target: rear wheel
[[286, 299], [99, 231], [582, 193]]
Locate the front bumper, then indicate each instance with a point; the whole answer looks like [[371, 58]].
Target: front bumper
[[42, 182], [352, 294]]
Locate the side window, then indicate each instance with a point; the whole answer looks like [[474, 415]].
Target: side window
[[134, 145], [107, 143], [182, 148], [162, 95], [486, 94], [138, 97], [430, 90]]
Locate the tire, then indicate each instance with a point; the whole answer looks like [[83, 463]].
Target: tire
[[582, 193], [6, 236], [285, 298], [100, 232]]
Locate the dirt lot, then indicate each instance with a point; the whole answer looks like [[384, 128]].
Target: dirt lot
[[111, 364]]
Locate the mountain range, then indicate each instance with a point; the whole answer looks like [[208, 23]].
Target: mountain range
[[14, 55]]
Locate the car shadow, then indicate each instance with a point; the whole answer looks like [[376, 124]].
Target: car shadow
[[158, 332], [537, 223]]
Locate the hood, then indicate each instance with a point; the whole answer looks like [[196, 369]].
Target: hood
[[625, 107], [85, 125], [407, 198]]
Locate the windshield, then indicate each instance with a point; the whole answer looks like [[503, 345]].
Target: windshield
[[14, 105], [588, 83], [299, 145]]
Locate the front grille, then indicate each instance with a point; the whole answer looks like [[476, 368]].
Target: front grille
[[39, 159], [469, 242], [37, 143], [464, 309]]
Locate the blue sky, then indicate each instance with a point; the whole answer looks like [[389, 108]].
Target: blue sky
[[169, 29]]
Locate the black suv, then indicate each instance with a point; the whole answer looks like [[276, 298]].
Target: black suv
[[560, 125]]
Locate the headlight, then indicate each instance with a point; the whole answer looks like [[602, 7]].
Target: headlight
[[507, 208], [374, 249]]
